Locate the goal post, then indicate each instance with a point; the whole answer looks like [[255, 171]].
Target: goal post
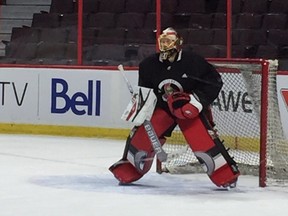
[[247, 118]]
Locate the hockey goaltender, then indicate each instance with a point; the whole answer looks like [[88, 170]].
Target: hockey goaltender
[[176, 87]]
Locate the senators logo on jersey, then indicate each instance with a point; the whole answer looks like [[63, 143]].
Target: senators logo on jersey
[[168, 86]]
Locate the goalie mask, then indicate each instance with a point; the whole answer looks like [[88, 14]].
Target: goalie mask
[[169, 43]]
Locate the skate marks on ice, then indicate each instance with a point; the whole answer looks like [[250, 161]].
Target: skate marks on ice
[[151, 184]]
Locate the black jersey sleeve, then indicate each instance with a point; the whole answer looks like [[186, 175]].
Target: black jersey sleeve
[[144, 75], [210, 84]]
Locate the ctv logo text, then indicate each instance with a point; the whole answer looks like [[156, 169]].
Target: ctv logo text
[[80, 103], [284, 93], [19, 93]]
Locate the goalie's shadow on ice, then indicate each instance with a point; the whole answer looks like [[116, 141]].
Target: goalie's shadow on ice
[[152, 184]]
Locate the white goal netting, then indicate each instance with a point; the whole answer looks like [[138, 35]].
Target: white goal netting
[[247, 118]]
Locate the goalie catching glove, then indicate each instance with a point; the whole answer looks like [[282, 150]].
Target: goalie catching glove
[[183, 105]]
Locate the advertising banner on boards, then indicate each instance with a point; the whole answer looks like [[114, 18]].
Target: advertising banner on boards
[[74, 97], [97, 98], [282, 92]]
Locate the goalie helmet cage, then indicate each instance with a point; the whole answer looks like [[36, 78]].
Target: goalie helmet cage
[[247, 118]]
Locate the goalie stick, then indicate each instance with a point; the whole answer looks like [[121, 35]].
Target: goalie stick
[[161, 154]]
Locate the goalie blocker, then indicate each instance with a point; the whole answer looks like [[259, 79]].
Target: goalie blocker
[[210, 151]]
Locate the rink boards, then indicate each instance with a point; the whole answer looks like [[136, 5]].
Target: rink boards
[[88, 102]]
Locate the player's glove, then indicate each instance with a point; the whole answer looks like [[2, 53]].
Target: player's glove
[[183, 105]]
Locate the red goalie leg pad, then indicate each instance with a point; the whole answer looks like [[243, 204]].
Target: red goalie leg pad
[[125, 172], [224, 176], [219, 166], [196, 134], [139, 142]]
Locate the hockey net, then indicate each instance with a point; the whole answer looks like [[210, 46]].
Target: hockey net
[[247, 118]]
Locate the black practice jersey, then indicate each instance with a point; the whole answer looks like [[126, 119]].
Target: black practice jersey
[[190, 73]]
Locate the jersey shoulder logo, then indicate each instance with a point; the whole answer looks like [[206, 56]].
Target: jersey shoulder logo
[[184, 75]]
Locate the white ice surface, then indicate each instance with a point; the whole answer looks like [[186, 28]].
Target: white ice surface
[[61, 176]]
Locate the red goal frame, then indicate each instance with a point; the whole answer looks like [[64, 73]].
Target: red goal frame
[[263, 112]]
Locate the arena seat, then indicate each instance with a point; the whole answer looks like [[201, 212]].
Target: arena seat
[[51, 50], [250, 51], [63, 6], [90, 6], [249, 21], [140, 6], [25, 51], [241, 51], [89, 35], [238, 51], [188, 6], [267, 51], [222, 51], [211, 6], [207, 51], [219, 20], [140, 36], [181, 20], [198, 20], [111, 36], [274, 21], [111, 6], [283, 52], [184, 33], [53, 35], [104, 52], [278, 6], [256, 6], [150, 20], [46, 20], [145, 50], [256, 25], [200, 36], [169, 6], [249, 36], [70, 19], [131, 52], [71, 51], [236, 6], [101, 20], [219, 37], [25, 34], [277, 37], [130, 20]]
